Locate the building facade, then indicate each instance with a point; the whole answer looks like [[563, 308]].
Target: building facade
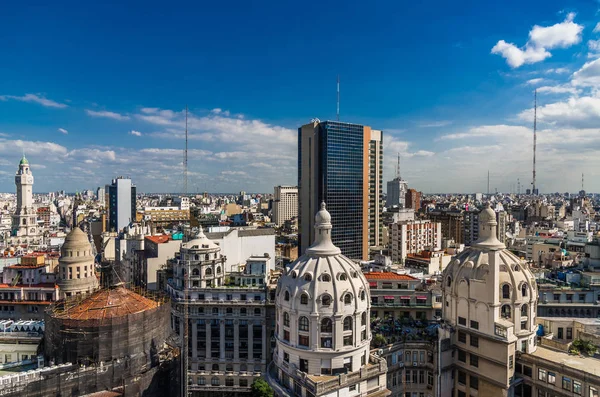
[[412, 237], [396, 193], [413, 199], [341, 163], [285, 204], [323, 329], [122, 196], [25, 229], [76, 266]]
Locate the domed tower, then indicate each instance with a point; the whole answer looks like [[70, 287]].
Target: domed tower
[[323, 331], [205, 263], [490, 301], [77, 273], [24, 221]]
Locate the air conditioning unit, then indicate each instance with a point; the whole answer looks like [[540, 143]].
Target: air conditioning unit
[[414, 364]]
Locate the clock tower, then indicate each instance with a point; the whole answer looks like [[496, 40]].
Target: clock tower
[[24, 222]]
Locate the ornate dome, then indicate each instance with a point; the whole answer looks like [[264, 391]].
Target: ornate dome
[[200, 242], [23, 161], [77, 273], [323, 305], [76, 242]]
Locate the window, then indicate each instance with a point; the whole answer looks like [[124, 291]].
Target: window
[[303, 324], [286, 357], [243, 382], [462, 378], [348, 340], [527, 371], [556, 297], [287, 296], [474, 360], [326, 300], [326, 325], [474, 341], [462, 321], [348, 324], [214, 381], [474, 382], [243, 311], [347, 299], [208, 272], [307, 277], [566, 383], [343, 277], [286, 319], [524, 311], [594, 392], [363, 295], [551, 377], [474, 324], [286, 335], [510, 361], [569, 333], [505, 291], [524, 289], [304, 299], [229, 310], [462, 337], [303, 340], [462, 356], [327, 342], [229, 382], [577, 387], [542, 374], [215, 310], [363, 319], [257, 311], [505, 311], [449, 281], [326, 277]]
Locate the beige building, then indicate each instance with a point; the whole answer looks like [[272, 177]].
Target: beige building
[[412, 237], [77, 270], [285, 204], [323, 328], [164, 216]]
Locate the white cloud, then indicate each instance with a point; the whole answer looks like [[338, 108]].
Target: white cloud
[[34, 98], [62, 130], [92, 154], [588, 75], [488, 131], [597, 28], [534, 81], [107, 114], [541, 39], [559, 89], [579, 112], [135, 133], [8, 146], [594, 45], [435, 124], [558, 70]]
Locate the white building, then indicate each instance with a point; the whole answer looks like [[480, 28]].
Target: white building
[[412, 237], [77, 270], [323, 325], [121, 203], [25, 229], [489, 308], [396, 193], [285, 204], [238, 244]]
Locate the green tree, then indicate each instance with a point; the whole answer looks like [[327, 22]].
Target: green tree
[[260, 388]]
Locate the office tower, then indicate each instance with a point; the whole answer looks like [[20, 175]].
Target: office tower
[[285, 204], [396, 190], [341, 163], [101, 193], [413, 199], [122, 203]]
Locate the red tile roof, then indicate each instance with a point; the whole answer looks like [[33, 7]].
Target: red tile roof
[[40, 285], [388, 276], [163, 238]]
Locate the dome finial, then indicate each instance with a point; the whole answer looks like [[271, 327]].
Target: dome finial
[[323, 244], [488, 238]]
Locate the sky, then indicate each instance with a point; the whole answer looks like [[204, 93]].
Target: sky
[[93, 91]]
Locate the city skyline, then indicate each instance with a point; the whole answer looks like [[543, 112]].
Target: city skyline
[[87, 103]]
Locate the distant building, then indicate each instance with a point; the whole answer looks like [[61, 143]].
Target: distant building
[[412, 237], [122, 194], [238, 244], [341, 163], [471, 227], [452, 224], [101, 195], [413, 199], [25, 229], [285, 204], [77, 268]]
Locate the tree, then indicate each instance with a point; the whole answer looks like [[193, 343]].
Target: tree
[[260, 388]]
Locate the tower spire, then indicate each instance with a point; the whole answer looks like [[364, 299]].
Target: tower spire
[[398, 174], [338, 98], [533, 188]]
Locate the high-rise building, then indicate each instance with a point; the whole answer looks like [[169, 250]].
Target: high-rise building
[[323, 333], [101, 195], [413, 199], [285, 204], [24, 221], [452, 224], [396, 190], [412, 237], [121, 203], [341, 163], [471, 225]]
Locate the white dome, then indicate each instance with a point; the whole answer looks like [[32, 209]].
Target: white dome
[[323, 307], [200, 243]]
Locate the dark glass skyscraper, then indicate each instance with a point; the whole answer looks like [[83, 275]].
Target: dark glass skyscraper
[[336, 164]]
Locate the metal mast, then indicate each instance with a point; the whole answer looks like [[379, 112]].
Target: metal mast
[[185, 155], [185, 332], [338, 98], [582, 181], [533, 191], [488, 187], [398, 175]]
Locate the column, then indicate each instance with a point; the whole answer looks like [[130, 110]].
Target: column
[[250, 340], [208, 341], [222, 339], [314, 331], [194, 340]]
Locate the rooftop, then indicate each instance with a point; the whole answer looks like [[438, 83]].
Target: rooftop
[[584, 364], [389, 276], [161, 239]]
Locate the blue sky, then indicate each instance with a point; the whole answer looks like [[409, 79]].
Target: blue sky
[[94, 91]]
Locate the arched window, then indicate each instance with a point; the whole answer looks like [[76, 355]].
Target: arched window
[[363, 295], [449, 281], [326, 278], [201, 381], [505, 291], [304, 299], [294, 275], [218, 269], [215, 310], [348, 324], [363, 318], [229, 367], [343, 277], [257, 311], [208, 271], [326, 300], [215, 367], [524, 311], [348, 299], [524, 289], [307, 277], [214, 381], [326, 325], [303, 324], [195, 272], [196, 257], [354, 274], [206, 257], [505, 311], [286, 296], [286, 319]]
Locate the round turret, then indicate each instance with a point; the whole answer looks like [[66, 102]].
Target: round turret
[[77, 273]]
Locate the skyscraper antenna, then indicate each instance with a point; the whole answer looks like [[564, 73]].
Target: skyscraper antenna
[[398, 175], [488, 187], [338, 98], [582, 181], [533, 191], [185, 155]]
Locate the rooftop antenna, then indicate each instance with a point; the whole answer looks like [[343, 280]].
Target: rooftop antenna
[[582, 181], [488, 187], [338, 98], [533, 191], [518, 186], [185, 155], [398, 176]]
